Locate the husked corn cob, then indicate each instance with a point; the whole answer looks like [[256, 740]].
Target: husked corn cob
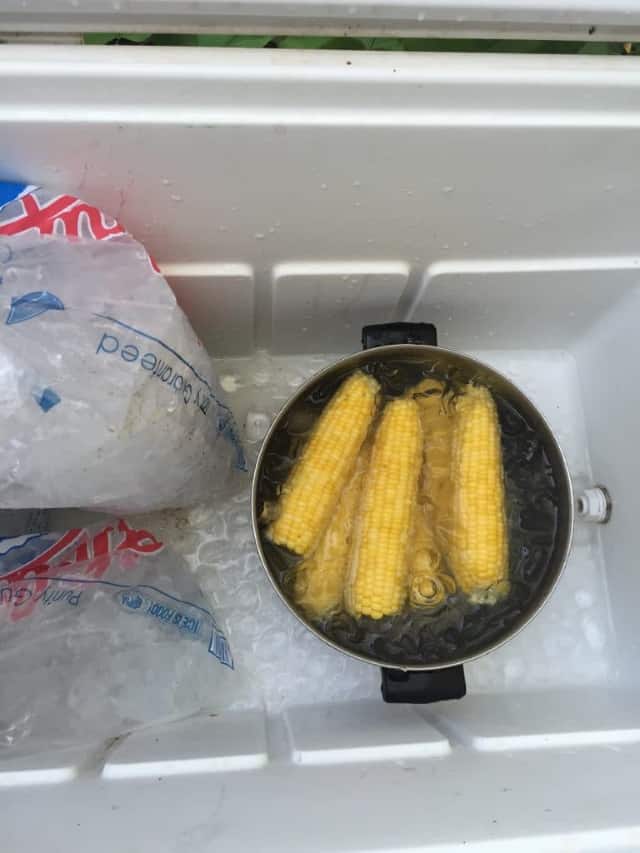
[[437, 430], [320, 579], [313, 488], [478, 548], [429, 584], [377, 584]]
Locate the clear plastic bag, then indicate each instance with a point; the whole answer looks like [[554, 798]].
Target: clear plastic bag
[[102, 630], [108, 400]]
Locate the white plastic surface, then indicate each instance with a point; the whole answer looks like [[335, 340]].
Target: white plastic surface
[[204, 745], [554, 719], [578, 19], [360, 732], [498, 196]]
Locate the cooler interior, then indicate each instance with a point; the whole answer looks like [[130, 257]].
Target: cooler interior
[[291, 199]]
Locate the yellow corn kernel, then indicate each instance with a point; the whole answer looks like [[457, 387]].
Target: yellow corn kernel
[[478, 547], [429, 584], [313, 488], [378, 573], [320, 579]]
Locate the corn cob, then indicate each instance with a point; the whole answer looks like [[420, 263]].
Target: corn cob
[[429, 583], [478, 548], [320, 579], [437, 429], [378, 573], [312, 490]]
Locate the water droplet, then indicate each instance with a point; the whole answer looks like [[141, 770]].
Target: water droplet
[[175, 197], [357, 203], [445, 245], [572, 313], [166, 182], [256, 425], [259, 236], [448, 189], [409, 192], [608, 188], [421, 16], [222, 227], [353, 10], [465, 243], [592, 633], [356, 184], [370, 240], [229, 383], [272, 230], [324, 187]]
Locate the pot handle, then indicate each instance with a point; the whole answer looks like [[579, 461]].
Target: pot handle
[[381, 334], [422, 687], [419, 686]]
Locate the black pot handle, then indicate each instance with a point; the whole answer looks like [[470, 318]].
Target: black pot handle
[[419, 686], [382, 334]]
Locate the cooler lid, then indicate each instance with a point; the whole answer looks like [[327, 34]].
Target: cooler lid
[[598, 20]]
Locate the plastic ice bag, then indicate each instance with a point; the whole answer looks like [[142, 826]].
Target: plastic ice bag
[[107, 398], [102, 630]]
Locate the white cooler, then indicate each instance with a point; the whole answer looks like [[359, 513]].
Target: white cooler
[[291, 197]]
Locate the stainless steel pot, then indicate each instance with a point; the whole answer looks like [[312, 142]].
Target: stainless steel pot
[[539, 495]]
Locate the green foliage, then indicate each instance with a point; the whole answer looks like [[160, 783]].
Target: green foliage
[[362, 43]]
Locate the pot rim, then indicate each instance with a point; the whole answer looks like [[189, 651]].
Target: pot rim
[[377, 353]]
